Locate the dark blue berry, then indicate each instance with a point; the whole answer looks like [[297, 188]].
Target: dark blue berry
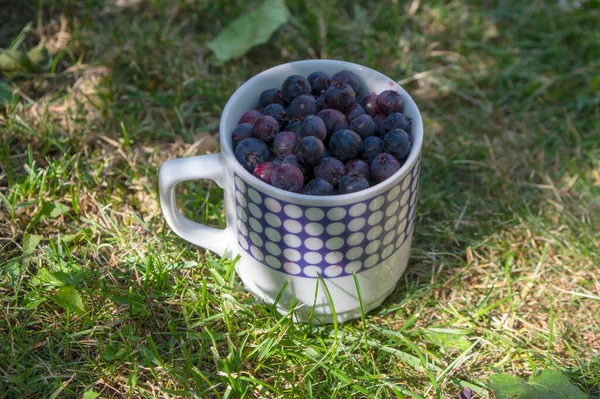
[[364, 125], [301, 106], [293, 125], [294, 86], [359, 167], [276, 111], [330, 170], [397, 142], [348, 77], [285, 143], [292, 159], [345, 144], [270, 96], [241, 132], [396, 120], [318, 187], [379, 120], [264, 170], [250, 152], [352, 183], [355, 110], [265, 128], [312, 125], [310, 150], [288, 177], [340, 96], [334, 120], [369, 104], [384, 166], [389, 101], [319, 82], [320, 101], [250, 116], [372, 146]]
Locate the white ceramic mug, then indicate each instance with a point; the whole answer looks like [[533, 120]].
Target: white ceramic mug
[[305, 252]]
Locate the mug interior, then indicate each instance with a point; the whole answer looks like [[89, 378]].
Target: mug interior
[[246, 98]]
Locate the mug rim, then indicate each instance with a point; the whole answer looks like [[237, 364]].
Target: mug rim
[[331, 200]]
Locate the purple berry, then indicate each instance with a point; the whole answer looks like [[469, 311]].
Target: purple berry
[[292, 159], [364, 125], [288, 177], [301, 106], [276, 111], [397, 143], [384, 166], [389, 101], [340, 96], [331, 170], [345, 144], [250, 116], [264, 170], [379, 119], [369, 104], [372, 146], [334, 120], [320, 102], [270, 96], [293, 125], [265, 128], [318, 187], [319, 82], [277, 161], [396, 120], [250, 152], [352, 183], [285, 143], [355, 110], [359, 167], [348, 77], [312, 125], [241, 132], [310, 150], [294, 86]]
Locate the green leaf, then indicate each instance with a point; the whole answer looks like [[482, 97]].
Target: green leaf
[[90, 395], [251, 29], [45, 276], [547, 384], [13, 271], [50, 210], [5, 93], [30, 243], [68, 298], [448, 338]]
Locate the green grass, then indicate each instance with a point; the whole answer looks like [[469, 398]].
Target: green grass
[[504, 269]]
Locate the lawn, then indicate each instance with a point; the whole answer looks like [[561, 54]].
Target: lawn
[[98, 295]]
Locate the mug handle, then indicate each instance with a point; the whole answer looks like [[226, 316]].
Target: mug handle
[[179, 170]]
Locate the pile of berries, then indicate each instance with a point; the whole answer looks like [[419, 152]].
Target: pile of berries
[[314, 136]]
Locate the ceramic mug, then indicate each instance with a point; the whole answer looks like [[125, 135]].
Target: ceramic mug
[[308, 254]]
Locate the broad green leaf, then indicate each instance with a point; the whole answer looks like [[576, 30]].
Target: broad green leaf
[[547, 384], [50, 210], [32, 300], [556, 383], [30, 243], [110, 353], [448, 339], [251, 29], [13, 270], [68, 298], [5, 93], [45, 276], [90, 395]]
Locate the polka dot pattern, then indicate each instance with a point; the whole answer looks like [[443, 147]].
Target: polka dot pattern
[[331, 241]]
